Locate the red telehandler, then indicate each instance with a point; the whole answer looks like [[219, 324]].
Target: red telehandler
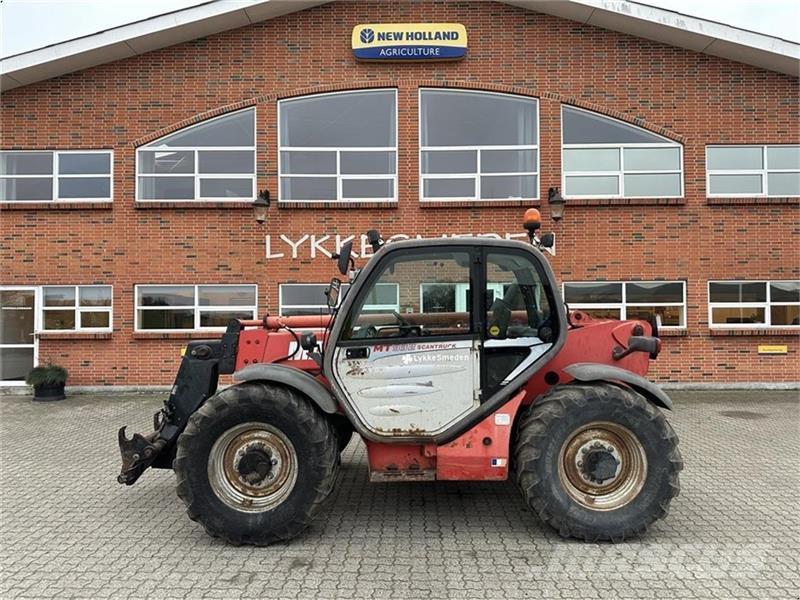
[[453, 359]]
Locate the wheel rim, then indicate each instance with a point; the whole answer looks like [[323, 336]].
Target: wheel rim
[[602, 466], [252, 467]]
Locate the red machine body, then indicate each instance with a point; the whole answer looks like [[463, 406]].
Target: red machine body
[[482, 452]]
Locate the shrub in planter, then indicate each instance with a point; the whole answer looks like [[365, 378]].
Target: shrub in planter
[[48, 382]]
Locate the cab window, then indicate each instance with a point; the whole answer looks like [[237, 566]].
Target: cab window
[[516, 303], [432, 290]]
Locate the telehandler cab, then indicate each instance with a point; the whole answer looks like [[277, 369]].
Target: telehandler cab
[[453, 359]]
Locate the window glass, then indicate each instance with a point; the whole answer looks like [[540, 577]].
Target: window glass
[[595, 185], [583, 127], [94, 163], [84, 187], [735, 184], [591, 159], [226, 161], [409, 278], [159, 161], [783, 184], [226, 188], [229, 295], [234, 129], [735, 158], [784, 291], [94, 319], [603, 293], [784, 315], [166, 188], [654, 291], [165, 295], [306, 298], [449, 188], [166, 319], [368, 188], [367, 163], [304, 162], [519, 305], [652, 184], [652, 159], [738, 315], [508, 186], [508, 161], [307, 188], [95, 295], [26, 163], [668, 316], [59, 319], [221, 318], [731, 291], [462, 118], [28, 189], [783, 157], [450, 161], [351, 119], [59, 296]]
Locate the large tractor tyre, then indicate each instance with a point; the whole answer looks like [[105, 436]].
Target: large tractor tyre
[[256, 464], [597, 461]]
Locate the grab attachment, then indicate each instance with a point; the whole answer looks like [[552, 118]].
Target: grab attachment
[[138, 453]]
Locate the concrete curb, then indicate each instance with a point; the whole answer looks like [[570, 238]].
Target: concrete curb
[[25, 390]]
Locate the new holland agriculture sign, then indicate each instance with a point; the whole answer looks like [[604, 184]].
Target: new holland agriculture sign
[[409, 41]]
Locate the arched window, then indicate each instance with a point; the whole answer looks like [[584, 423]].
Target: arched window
[[213, 160], [338, 147], [605, 158], [478, 146]]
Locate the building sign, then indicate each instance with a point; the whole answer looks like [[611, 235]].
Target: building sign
[[773, 349], [409, 41], [318, 246]]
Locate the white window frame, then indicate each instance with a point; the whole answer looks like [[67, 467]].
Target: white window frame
[[197, 175], [619, 174], [624, 305], [338, 150], [763, 172], [476, 197], [77, 309], [195, 307], [55, 176], [766, 305]]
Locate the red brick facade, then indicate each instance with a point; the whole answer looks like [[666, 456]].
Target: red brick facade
[[692, 98]]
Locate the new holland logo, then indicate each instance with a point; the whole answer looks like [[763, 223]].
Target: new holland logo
[[409, 41]]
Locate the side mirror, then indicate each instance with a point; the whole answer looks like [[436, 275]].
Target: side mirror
[[333, 292], [308, 341], [344, 259], [547, 240]]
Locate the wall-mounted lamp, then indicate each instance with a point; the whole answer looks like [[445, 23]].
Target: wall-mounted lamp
[[260, 207], [557, 202]]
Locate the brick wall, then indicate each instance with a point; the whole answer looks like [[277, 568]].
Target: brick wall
[[692, 98]]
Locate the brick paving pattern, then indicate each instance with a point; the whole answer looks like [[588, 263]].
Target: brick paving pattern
[[68, 530]]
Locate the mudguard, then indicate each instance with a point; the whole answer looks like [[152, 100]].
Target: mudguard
[[600, 372], [291, 377]]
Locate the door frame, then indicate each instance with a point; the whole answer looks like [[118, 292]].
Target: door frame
[[36, 326]]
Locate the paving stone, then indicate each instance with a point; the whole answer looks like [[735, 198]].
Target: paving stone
[[68, 530]]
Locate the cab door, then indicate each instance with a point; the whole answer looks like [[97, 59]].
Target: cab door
[[408, 358]]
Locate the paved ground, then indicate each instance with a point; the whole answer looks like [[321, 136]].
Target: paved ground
[[67, 529]]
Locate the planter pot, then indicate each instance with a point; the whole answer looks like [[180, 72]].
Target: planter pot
[[48, 392]]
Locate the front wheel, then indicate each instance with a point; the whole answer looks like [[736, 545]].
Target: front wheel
[[256, 463], [597, 461]]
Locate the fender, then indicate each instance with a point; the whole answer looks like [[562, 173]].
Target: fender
[[595, 372], [291, 377]]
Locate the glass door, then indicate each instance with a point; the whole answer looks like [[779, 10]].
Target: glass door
[[18, 345]]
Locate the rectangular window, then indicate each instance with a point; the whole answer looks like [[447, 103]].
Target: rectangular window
[[76, 308], [478, 146], [753, 304], [53, 176], [338, 147], [213, 160], [193, 307], [630, 300], [747, 171]]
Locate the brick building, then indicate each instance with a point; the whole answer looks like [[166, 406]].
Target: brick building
[[130, 160]]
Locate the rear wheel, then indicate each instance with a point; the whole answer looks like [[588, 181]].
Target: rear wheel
[[597, 461], [256, 463]]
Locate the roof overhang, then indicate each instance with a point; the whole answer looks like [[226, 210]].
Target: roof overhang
[[632, 18]]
